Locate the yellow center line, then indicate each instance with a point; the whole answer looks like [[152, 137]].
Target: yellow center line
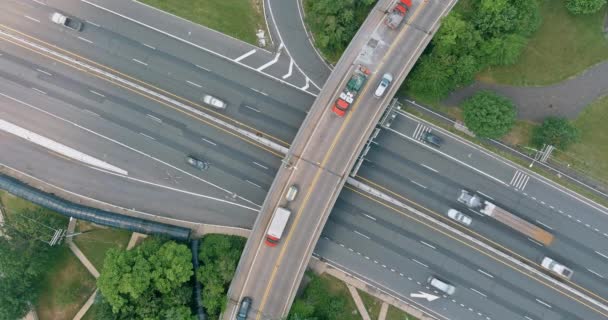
[[220, 115], [211, 124], [475, 234], [324, 162], [433, 227]]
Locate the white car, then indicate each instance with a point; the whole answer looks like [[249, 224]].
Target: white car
[[214, 102], [556, 268], [460, 217], [387, 78], [441, 285]]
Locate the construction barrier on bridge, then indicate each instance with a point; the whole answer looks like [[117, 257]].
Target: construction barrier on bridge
[[94, 215]]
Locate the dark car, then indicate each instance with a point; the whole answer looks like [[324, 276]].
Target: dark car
[[244, 309], [199, 164], [432, 139]]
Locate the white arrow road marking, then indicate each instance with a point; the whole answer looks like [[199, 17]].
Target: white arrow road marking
[[424, 295]]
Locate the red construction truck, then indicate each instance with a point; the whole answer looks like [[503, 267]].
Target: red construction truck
[[349, 94], [277, 226], [396, 16], [503, 216]]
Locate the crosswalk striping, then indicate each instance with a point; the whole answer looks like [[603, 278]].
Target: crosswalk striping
[[519, 180]]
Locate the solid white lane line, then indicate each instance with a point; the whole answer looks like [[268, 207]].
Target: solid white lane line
[[260, 165], [595, 273], [91, 112], [97, 93], [154, 118], [305, 87], [147, 136], [201, 67], [33, 19], [536, 242], [209, 142], [420, 263], [427, 244], [370, 217], [601, 254], [149, 46], [42, 71], [40, 91], [361, 234], [95, 24], [485, 195], [288, 74], [252, 108], [424, 165], [245, 55], [487, 274], [255, 184], [85, 39], [544, 225], [39, 2], [479, 292], [140, 62], [418, 184], [260, 92], [543, 303], [269, 63], [528, 318], [194, 84]]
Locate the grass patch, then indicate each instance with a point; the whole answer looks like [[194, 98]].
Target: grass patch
[[520, 134], [97, 240], [372, 304], [590, 154], [324, 296], [237, 18], [563, 46], [396, 314], [16, 204], [66, 287]]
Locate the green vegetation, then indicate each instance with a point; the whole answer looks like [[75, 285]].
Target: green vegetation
[[477, 35], [372, 304], [25, 260], [67, 285], [395, 314], [584, 6], [96, 241], [325, 297], [563, 46], [590, 153], [150, 281], [334, 23], [555, 131], [488, 115], [237, 18], [218, 256]]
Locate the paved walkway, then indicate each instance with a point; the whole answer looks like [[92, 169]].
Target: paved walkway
[[358, 302], [567, 98], [383, 310]]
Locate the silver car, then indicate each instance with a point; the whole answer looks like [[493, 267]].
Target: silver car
[[387, 78], [460, 217], [197, 163], [214, 102], [441, 285], [556, 268]]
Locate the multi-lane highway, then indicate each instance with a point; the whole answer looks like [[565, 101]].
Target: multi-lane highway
[[150, 140]]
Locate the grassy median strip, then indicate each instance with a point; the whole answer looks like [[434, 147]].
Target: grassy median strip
[[237, 18], [563, 46]]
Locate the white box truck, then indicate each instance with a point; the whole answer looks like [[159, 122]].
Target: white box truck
[[277, 226]]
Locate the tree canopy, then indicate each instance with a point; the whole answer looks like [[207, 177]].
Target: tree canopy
[[490, 32], [24, 259], [219, 256], [148, 282], [584, 6], [489, 115], [555, 131]]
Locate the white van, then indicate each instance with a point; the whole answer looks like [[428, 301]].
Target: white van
[[441, 285], [387, 78], [292, 192]]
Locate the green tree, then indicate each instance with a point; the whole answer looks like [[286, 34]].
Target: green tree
[[488, 114], [218, 256], [584, 6], [148, 282], [24, 259], [502, 50], [555, 131]]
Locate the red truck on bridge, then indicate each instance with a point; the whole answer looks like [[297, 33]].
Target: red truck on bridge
[[350, 92], [397, 15]]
